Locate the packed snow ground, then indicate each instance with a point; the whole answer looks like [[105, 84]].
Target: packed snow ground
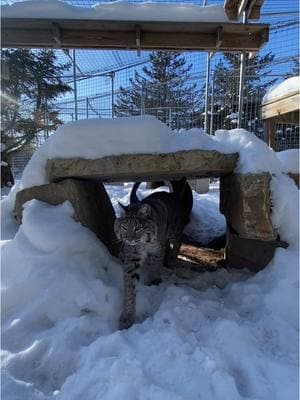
[[61, 300], [117, 11], [235, 337]]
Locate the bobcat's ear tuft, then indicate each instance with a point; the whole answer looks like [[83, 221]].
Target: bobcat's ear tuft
[[145, 210], [125, 208]]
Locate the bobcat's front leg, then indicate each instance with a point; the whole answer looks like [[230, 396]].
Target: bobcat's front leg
[[131, 278]]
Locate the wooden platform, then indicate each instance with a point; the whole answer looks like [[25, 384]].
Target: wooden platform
[[132, 35], [144, 167]]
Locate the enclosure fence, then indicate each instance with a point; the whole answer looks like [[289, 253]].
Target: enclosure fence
[[216, 102]]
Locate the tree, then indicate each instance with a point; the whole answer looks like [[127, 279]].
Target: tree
[[30, 85], [226, 90], [162, 89], [295, 70]]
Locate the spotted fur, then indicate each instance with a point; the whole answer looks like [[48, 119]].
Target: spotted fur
[[150, 231]]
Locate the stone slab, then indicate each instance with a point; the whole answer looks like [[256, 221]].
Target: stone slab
[[245, 201], [92, 206], [144, 167], [248, 253]]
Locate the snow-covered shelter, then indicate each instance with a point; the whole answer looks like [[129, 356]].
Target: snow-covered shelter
[[121, 25], [281, 105]]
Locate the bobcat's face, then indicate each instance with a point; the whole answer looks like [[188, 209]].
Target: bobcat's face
[[136, 226]]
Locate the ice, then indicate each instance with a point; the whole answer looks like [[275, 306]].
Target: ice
[[116, 10], [284, 88]]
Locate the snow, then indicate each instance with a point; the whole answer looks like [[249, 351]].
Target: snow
[[287, 87], [233, 337], [96, 138], [116, 10], [232, 115], [223, 335], [289, 160]]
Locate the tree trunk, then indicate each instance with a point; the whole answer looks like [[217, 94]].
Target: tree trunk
[[7, 178]]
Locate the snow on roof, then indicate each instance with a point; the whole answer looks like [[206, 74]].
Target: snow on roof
[[285, 88], [117, 10], [289, 160]]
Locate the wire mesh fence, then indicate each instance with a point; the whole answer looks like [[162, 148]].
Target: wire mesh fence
[[102, 75]]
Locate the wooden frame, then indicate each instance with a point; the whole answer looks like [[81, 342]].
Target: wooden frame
[[284, 110], [132, 35]]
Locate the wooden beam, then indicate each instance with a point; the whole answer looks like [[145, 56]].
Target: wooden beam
[[91, 34], [281, 106]]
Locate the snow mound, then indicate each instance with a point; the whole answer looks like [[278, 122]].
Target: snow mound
[[285, 88], [289, 160], [254, 154], [233, 338], [96, 138], [116, 10]]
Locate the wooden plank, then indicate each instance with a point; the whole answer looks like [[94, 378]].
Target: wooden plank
[[144, 167], [281, 106], [46, 33]]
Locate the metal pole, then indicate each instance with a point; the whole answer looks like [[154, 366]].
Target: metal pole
[[212, 105], [241, 87], [112, 94], [242, 80], [75, 85], [87, 108], [142, 100], [207, 91], [170, 117]]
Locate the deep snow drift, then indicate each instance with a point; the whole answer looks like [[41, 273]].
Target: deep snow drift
[[233, 337]]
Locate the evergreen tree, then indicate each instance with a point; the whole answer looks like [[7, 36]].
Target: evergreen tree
[[295, 70], [161, 90], [226, 90], [30, 85]]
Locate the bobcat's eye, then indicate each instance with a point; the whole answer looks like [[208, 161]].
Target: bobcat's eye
[[138, 229]]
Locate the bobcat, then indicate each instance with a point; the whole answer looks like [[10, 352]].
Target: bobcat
[[150, 231]]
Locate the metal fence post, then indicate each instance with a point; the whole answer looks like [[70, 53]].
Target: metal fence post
[[209, 55], [242, 80], [212, 105], [75, 85], [112, 76], [87, 108]]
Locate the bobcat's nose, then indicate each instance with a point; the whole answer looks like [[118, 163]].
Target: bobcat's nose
[[131, 242]]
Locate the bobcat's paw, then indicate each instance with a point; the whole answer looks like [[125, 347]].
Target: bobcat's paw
[[126, 321]]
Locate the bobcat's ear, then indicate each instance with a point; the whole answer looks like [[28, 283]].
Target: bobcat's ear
[[145, 210], [125, 208]]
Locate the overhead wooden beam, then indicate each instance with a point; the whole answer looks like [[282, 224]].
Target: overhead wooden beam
[[235, 9], [132, 35]]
